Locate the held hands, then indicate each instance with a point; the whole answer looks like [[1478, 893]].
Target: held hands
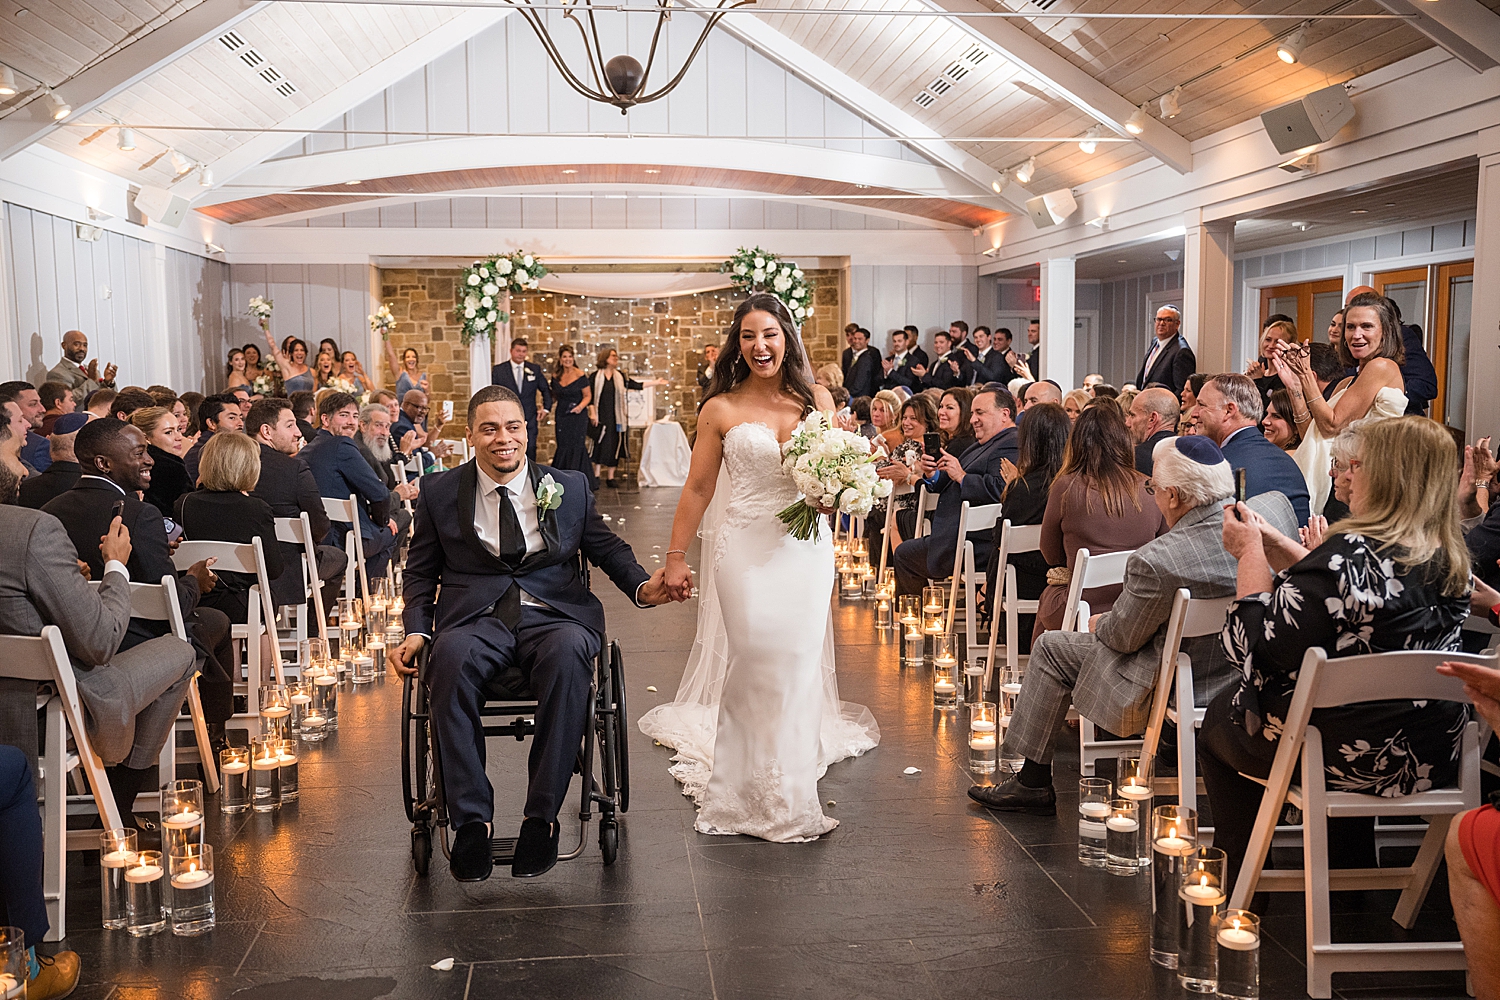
[[403, 658], [656, 591], [676, 577], [115, 543]]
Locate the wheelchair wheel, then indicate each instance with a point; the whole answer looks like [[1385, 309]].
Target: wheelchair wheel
[[413, 746], [609, 840], [421, 849], [622, 742]]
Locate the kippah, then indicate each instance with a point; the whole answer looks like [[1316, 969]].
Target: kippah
[[69, 422], [1200, 449]]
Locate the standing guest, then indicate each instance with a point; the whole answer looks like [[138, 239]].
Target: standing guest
[[885, 410], [296, 376], [253, 369], [1073, 402], [354, 372], [905, 355], [409, 374], [287, 486], [607, 414], [63, 472], [216, 415], [1034, 342], [705, 369], [325, 370], [527, 380], [1336, 329], [330, 346], [71, 372], [98, 403], [169, 477], [1229, 414], [573, 394], [1097, 502], [949, 368], [989, 364], [342, 472], [1277, 328], [34, 451], [1037, 393], [1152, 417], [1277, 425], [1328, 369], [1189, 395], [861, 368], [958, 334], [235, 368], [57, 401], [1170, 360], [1395, 576]]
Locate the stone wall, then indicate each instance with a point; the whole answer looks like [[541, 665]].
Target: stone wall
[[655, 337]]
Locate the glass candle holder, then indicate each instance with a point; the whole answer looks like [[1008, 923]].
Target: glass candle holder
[[984, 736], [192, 877], [14, 963], [1094, 795], [117, 851], [234, 780], [325, 699], [1202, 896], [145, 902], [376, 648], [1010, 691], [909, 610], [312, 724], [300, 694], [1174, 835], [1133, 774], [286, 753], [973, 692], [275, 709], [1238, 935], [945, 679], [1122, 838], [869, 584], [883, 618], [363, 665], [913, 643], [852, 581], [265, 773], [181, 815]]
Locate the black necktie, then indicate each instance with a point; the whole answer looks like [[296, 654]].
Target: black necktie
[[512, 551]]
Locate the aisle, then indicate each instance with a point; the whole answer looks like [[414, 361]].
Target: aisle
[[917, 894]]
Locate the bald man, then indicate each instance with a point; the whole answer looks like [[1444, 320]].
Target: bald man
[[1416, 371], [71, 371], [1034, 393], [1152, 418]]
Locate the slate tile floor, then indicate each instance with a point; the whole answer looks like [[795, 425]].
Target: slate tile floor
[[918, 893]]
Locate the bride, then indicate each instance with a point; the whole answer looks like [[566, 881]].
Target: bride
[[757, 718]]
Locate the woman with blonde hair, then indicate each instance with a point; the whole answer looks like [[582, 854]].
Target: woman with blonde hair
[[885, 414], [1074, 400], [169, 477], [829, 376]]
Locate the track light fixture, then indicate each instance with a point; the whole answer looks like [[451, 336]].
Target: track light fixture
[[1089, 141], [59, 108], [1025, 171], [998, 184], [1136, 123], [205, 175], [1170, 106], [180, 164], [127, 140], [7, 82], [1290, 48]]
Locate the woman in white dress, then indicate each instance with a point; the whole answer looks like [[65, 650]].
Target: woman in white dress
[[1372, 341], [757, 719]]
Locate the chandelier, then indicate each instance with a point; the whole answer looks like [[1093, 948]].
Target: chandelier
[[620, 80]]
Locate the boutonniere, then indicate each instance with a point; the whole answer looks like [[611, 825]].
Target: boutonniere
[[549, 494]]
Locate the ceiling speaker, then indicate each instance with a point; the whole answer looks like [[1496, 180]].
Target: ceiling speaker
[[1051, 208], [1314, 119], [161, 206]]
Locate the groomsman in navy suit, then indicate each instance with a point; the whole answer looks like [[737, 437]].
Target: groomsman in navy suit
[[525, 379]]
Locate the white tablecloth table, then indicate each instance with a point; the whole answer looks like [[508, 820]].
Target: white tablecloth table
[[665, 455]]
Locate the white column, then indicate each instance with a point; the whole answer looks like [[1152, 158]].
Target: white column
[[1058, 317], [1484, 332], [1208, 291], [12, 357]]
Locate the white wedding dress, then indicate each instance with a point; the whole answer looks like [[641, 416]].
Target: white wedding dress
[[757, 718]]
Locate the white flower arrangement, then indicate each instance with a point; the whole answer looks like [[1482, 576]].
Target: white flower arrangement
[[342, 383], [485, 283], [549, 494], [263, 385], [834, 470], [259, 310], [382, 322], [755, 270]]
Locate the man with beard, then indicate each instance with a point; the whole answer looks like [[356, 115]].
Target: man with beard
[[71, 371], [374, 441]]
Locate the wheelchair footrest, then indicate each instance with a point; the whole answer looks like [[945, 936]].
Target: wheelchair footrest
[[503, 849]]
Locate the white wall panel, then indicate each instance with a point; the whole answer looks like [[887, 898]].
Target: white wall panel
[[310, 301], [886, 297]]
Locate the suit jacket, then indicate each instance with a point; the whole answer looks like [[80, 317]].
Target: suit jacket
[[341, 472], [72, 375], [1034, 362], [1143, 462], [536, 382], [57, 480], [287, 486], [941, 374], [1267, 469], [1118, 674], [1172, 367], [445, 551], [193, 456], [982, 484], [990, 366], [862, 377], [902, 374], [231, 516], [1417, 372]]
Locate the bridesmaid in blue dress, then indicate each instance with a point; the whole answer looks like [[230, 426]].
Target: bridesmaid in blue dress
[[292, 359], [571, 389]]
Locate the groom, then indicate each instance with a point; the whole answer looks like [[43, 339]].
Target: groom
[[502, 537]]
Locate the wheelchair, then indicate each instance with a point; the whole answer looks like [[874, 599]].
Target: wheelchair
[[509, 711]]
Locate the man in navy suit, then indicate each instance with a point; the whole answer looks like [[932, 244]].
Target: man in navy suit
[[512, 606], [525, 379], [342, 472], [951, 367], [861, 364], [906, 354], [973, 476], [1170, 361], [1229, 410]]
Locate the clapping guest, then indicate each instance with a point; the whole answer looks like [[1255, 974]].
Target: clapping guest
[[169, 476], [950, 368], [1394, 576]]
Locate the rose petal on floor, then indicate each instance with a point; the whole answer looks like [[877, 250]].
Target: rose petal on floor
[[442, 965]]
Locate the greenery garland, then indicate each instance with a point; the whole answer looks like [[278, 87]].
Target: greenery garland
[[482, 285], [756, 270]]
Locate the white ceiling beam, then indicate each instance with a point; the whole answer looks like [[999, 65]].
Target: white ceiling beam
[[133, 63], [355, 92], [1466, 28], [1074, 85], [878, 111]]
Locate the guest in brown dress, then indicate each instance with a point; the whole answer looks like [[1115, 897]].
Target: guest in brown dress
[[1098, 502]]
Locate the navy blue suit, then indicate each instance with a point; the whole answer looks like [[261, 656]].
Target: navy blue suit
[[535, 382], [1417, 372], [552, 651], [1268, 469], [342, 472], [931, 556]]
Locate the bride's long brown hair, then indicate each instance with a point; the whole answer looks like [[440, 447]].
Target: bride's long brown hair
[[731, 369]]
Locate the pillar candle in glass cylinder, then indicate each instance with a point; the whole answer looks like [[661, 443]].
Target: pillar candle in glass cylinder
[[1238, 936], [974, 681], [883, 618], [310, 653], [117, 851], [364, 665], [15, 964], [326, 698], [299, 694], [1093, 809], [181, 814], [1174, 835], [286, 753], [912, 644], [1202, 895], [945, 679], [234, 780], [376, 648], [265, 773], [275, 709], [312, 723], [145, 902], [1010, 690], [1133, 781], [983, 737], [192, 876], [1122, 837]]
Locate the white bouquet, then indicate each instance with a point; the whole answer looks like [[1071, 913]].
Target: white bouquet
[[382, 322], [834, 470], [260, 311]]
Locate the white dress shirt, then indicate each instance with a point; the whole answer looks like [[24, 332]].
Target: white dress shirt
[[487, 514], [518, 372]]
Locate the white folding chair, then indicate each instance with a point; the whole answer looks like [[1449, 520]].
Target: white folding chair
[[1325, 683], [44, 659], [399, 472], [1014, 539], [298, 531], [347, 512], [981, 518], [1090, 571], [926, 504]]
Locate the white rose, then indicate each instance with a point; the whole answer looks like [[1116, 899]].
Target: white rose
[[480, 324], [470, 313], [799, 312], [502, 267], [740, 269], [797, 273], [828, 500], [490, 288], [522, 276], [758, 275], [786, 269], [484, 272], [527, 260], [760, 262], [492, 315], [473, 279], [486, 302], [781, 283], [534, 283]]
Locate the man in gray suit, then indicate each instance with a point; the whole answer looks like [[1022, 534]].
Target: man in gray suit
[[130, 699], [1109, 672]]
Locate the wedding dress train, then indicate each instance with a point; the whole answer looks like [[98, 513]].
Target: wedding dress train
[[757, 718]]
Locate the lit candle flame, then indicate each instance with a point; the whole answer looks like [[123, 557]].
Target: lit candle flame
[[1236, 923], [1203, 881], [1171, 831]]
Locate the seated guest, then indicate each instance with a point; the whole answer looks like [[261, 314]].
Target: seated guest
[[63, 472], [216, 415], [128, 400], [187, 421], [169, 478], [973, 475], [224, 511], [99, 402], [859, 406], [287, 486], [1189, 395], [56, 401], [1394, 575], [1041, 440], [414, 410], [918, 418], [1277, 425], [342, 472], [1151, 418], [1039, 393], [885, 415], [1109, 672], [1073, 402], [132, 695], [1097, 502], [374, 443], [34, 451], [304, 408], [953, 408], [1229, 411], [12, 439]]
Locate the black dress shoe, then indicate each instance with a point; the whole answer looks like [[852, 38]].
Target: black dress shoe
[[1012, 796], [470, 859], [536, 849]]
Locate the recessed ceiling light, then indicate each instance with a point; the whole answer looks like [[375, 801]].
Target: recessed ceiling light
[[1359, 211]]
